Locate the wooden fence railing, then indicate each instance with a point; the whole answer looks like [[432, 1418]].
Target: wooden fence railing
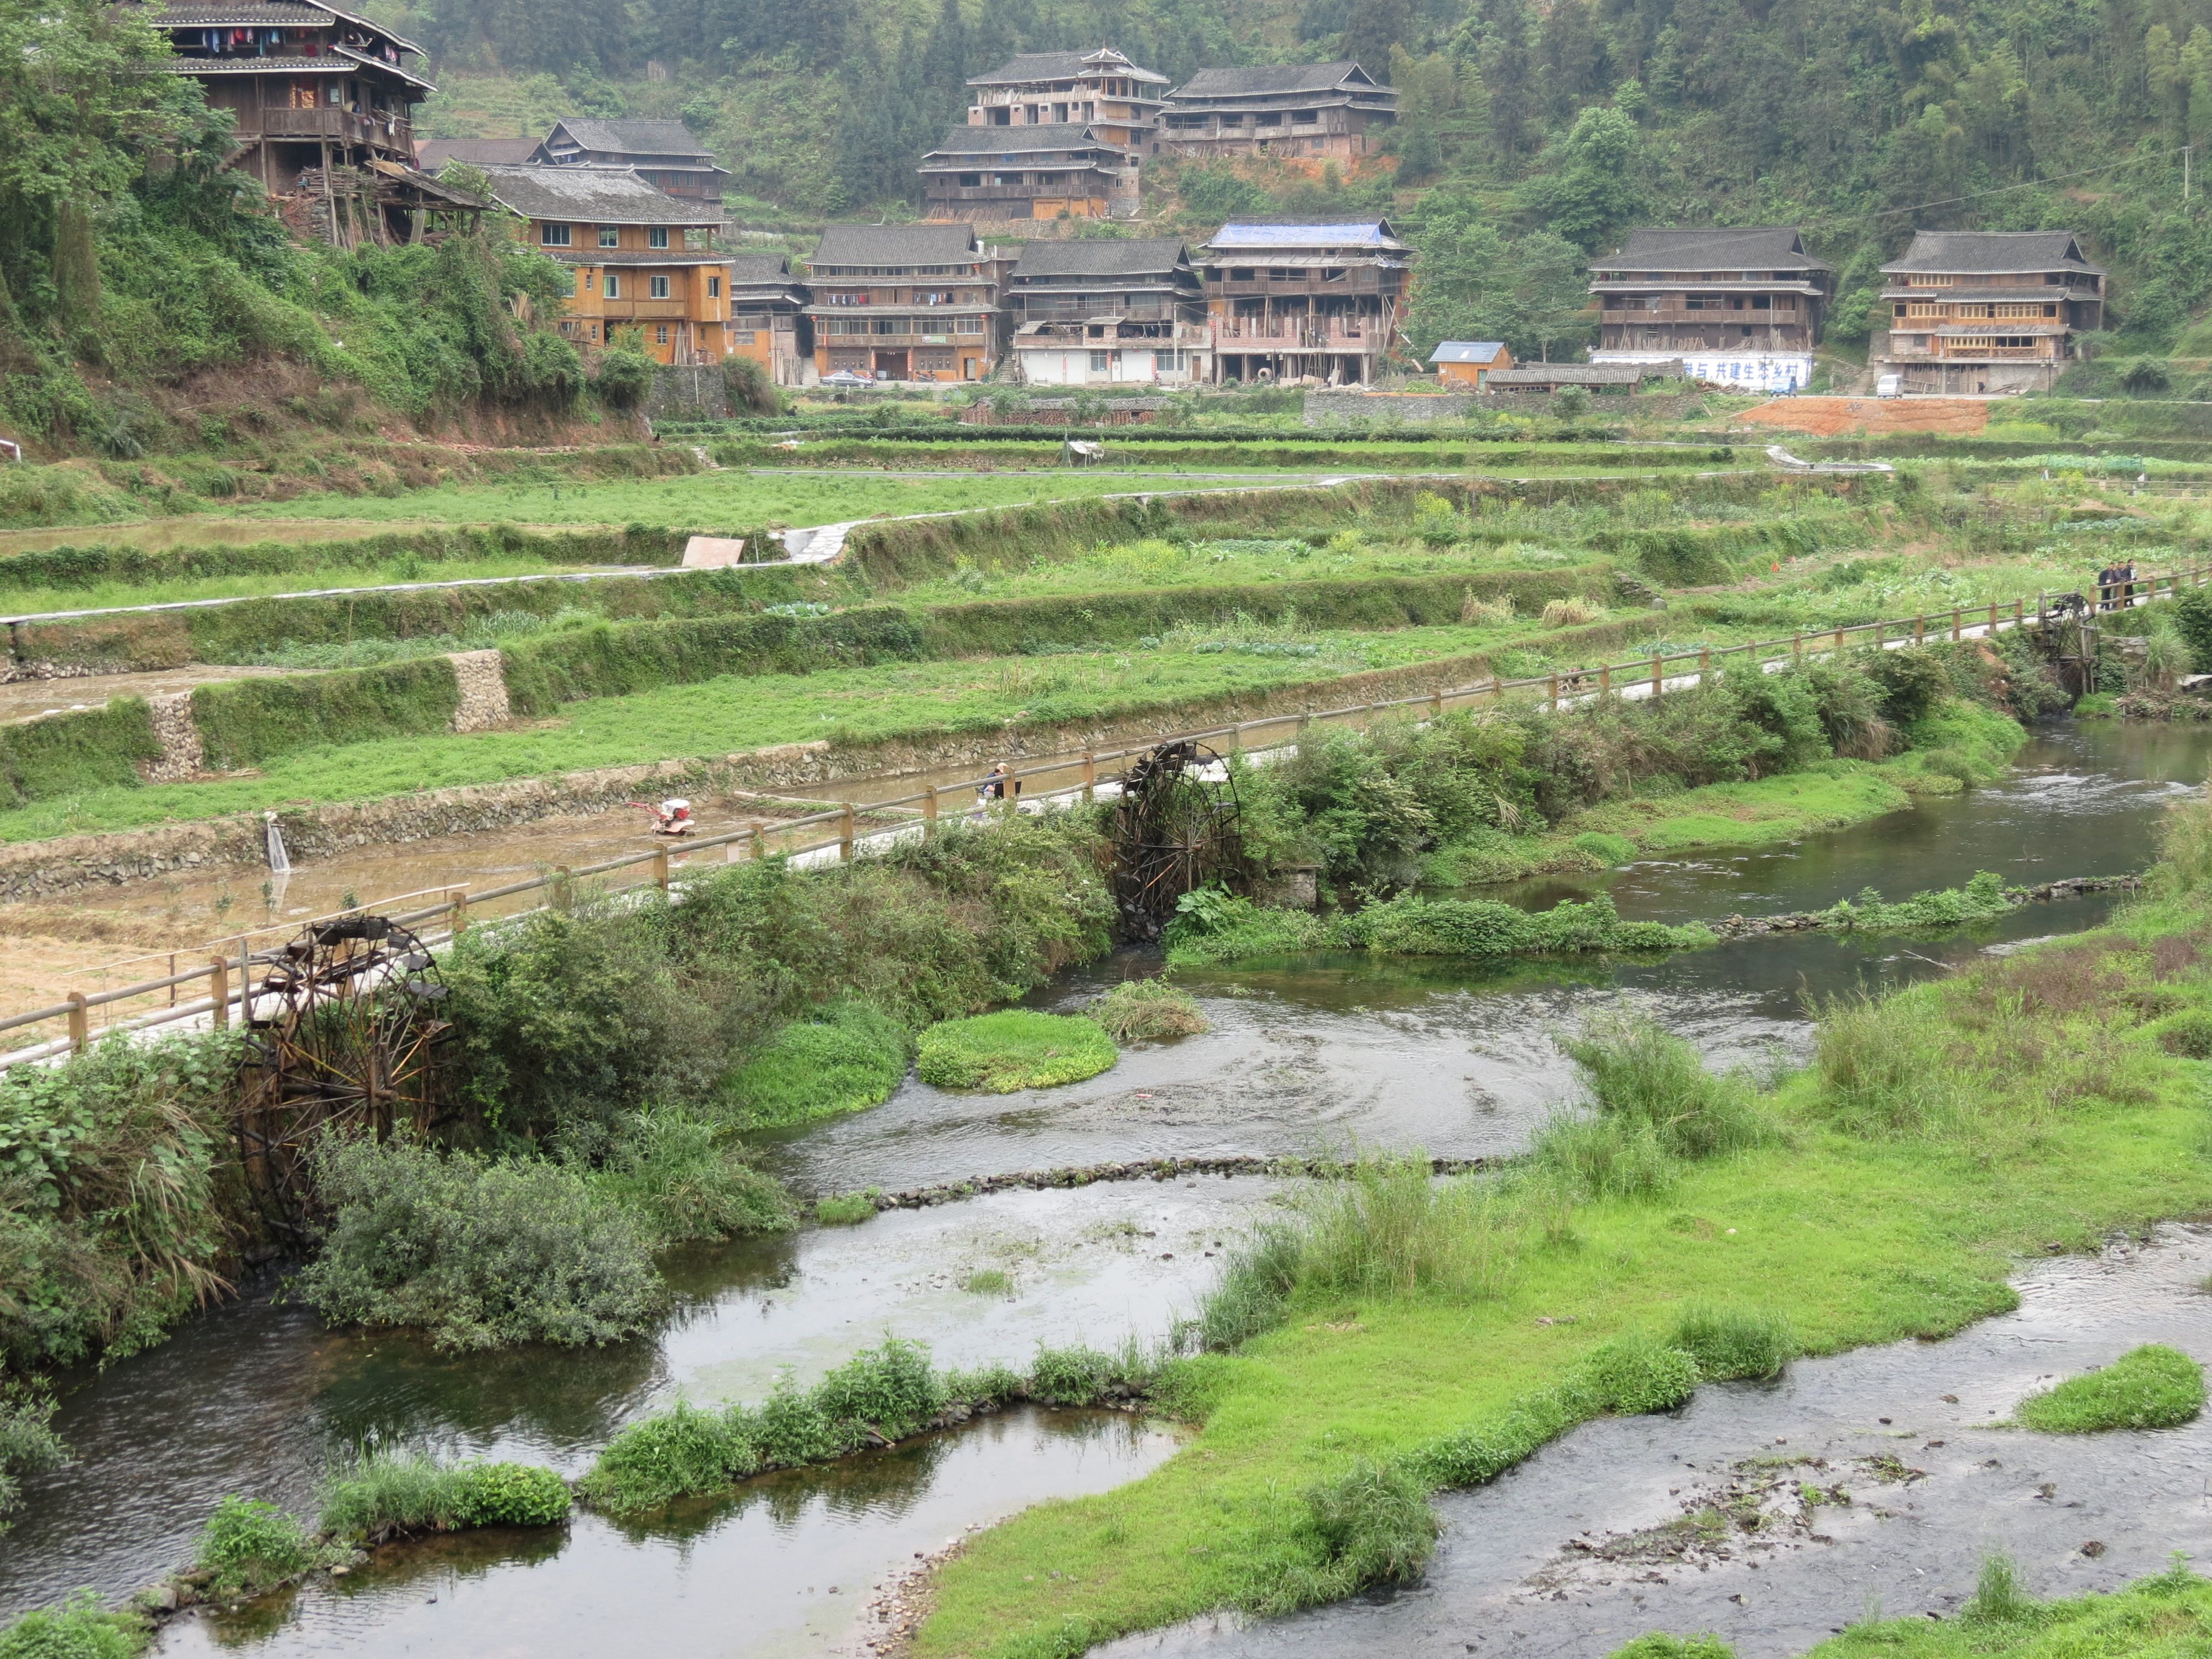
[[222, 973]]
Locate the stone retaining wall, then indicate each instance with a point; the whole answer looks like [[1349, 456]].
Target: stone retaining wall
[[687, 393], [183, 755], [483, 683]]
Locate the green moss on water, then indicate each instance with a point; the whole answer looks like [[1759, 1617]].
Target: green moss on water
[[1015, 1048], [2153, 1386], [848, 1060]]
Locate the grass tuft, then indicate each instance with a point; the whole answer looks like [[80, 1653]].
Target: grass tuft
[[847, 1209], [1370, 1526], [1015, 1048], [1999, 1597], [2152, 1387], [393, 1493], [1659, 1645], [1735, 1342], [249, 1548], [1148, 1010], [81, 1628]]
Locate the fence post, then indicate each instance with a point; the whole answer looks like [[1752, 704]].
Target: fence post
[[1797, 647], [1658, 677], [1605, 679], [562, 895], [1878, 632], [460, 903], [2042, 607], [1955, 624], [929, 812], [1437, 703], [79, 1022], [845, 827], [660, 868], [245, 983], [1839, 645], [219, 990], [1919, 629], [760, 839], [1089, 777], [2018, 614], [1993, 619], [1704, 664], [1553, 695]]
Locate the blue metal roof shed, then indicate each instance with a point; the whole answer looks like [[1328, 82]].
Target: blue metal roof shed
[[1466, 351]]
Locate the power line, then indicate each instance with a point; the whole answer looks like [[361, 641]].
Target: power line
[[1999, 190]]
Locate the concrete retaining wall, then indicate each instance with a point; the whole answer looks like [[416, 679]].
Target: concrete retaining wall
[[1424, 408]]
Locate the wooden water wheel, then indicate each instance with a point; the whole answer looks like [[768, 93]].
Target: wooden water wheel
[[1177, 827], [344, 1038]]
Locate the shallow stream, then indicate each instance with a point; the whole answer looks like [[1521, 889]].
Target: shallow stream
[[1320, 1055]]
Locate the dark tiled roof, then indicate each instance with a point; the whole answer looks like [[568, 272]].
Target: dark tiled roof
[[1993, 251], [760, 268], [585, 254], [633, 137], [1262, 78], [1571, 374], [1019, 141], [1081, 257], [434, 153], [1061, 66], [606, 196], [896, 244], [1742, 247], [246, 15], [332, 64]]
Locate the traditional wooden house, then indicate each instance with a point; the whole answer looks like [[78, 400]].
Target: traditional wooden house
[[905, 302], [323, 105], [1066, 172], [662, 153], [1297, 300], [1985, 312], [1100, 89], [1329, 109], [642, 258], [767, 316], [1738, 306], [1109, 313], [1469, 362]]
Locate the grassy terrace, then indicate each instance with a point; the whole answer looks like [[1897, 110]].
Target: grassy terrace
[[846, 706], [1433, 1330]]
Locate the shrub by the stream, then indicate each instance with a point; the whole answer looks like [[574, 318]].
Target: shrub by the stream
[[1015, 1049], [1148, 1010], [393, 1493], [1412, 925], [81, 1628], [2153, 1386], [1658, 1644], [109, 1219], [1656, 1104], [480, 1252], [249, 1547], [1634, 1375], [846, 1059], [28, 1444], [685, 1183], [1228, 928]]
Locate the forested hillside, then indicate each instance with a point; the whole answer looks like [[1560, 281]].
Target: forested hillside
[[1532, 133]]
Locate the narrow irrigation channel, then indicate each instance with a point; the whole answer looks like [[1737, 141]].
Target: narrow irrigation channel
[[1312, 1057]]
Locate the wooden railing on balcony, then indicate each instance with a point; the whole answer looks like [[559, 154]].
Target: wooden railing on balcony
[[340, 126]]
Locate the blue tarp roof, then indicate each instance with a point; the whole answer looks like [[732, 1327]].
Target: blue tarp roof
[[1366, 233], [1466, 351]]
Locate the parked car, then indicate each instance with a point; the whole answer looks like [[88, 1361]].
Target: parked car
[[847, 378]]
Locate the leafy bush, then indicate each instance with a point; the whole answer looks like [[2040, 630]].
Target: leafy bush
[[28, 1444], [849, 1059], [624, 378], [1908, 683], [394, 1493], [682, 1184], [2152, 1387], [481, 1252], [1015, 1048], [1635, 1375], [1410, 924], [249, 1548], [81, 1628], [1141, 1009], [110, 1223], [1232, 929], [1735, 1342]]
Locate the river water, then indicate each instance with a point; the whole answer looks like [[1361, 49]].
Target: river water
[[1322, 1055]]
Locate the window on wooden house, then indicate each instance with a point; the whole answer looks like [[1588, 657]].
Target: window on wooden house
[[552, 235], [660, 335], [657, 286], [610, 236], [614, 285], [657, 236], [714, 288]]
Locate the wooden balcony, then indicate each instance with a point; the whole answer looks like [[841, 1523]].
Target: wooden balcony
[[333, 125], [1302, 282]]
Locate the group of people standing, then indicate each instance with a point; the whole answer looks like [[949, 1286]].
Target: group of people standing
[[2116, 585]]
